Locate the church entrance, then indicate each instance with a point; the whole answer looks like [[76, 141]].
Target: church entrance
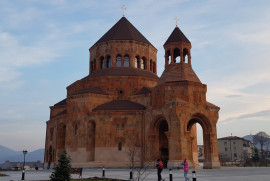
[[163, 142], [207, 145]]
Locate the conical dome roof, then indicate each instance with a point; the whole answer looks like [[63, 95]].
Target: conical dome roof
[[177, 36], [123, 30]]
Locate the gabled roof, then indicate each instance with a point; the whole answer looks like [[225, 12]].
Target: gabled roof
[[144, 90], [120, 105], [176, 36], [95, 90], [123, 30], [63, 102], [232, 138]]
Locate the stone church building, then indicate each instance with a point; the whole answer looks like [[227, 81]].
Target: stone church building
[[122, 105]]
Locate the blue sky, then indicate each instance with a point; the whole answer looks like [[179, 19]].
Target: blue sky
[[44, 48]]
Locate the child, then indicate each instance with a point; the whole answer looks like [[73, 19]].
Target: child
[[185, 163]]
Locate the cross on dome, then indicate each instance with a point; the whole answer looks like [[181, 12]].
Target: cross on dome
[[176, 20], [124, 9]]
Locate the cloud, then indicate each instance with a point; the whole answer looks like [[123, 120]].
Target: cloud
[[234, 96], [261, 115]]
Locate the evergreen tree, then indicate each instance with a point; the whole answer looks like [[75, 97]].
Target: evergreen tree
[[256, 157], [62, 169]]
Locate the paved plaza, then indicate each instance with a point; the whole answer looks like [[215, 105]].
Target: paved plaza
[[222, 174]]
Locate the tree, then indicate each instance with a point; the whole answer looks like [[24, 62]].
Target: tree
[[62, 169], [262, 139], [140, 163]]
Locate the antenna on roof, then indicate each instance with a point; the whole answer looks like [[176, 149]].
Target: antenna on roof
[[231, 134], [124, 9], [176, 21]]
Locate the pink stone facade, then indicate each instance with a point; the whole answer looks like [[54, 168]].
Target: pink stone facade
[[123, 105]]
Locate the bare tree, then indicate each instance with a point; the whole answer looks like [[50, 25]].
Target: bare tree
[[262, 139], [140, 163]]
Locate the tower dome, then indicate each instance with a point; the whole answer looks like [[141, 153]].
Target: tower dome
[[121, 49], [178, 59]]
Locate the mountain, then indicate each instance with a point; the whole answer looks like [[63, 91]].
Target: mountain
[[6, 152], [250, 138], [17, 156]]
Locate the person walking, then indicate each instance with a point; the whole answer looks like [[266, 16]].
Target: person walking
[[159, 166], [185, 163]]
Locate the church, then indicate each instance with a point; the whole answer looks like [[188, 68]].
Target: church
[[123, 111]]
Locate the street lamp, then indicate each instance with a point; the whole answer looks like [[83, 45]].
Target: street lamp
[[23, 172]]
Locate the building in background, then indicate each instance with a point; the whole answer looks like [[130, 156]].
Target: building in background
[[233, 148], [18, 165]]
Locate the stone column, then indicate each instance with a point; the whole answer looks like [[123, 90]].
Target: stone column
[[166, 60], [182, 59], [189, 58], [113, 60]]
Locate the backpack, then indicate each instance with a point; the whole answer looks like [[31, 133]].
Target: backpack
[[160, 165]]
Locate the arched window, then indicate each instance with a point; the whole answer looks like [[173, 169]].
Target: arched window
[[136, 62], [126, 61], [169, 57], [151, 65], [76, 129], [185, 52], [91, 66], [143, 63], [94, 64], [108, 62], [176, 55], [119, 146], [119, 61], [102, 63]]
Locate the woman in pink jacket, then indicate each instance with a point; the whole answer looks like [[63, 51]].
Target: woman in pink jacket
[[185, 163]]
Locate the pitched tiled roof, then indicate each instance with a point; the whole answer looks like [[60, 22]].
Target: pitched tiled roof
[[123, 71], [123, 30], [178, 72], [144, 90], [63, 102], [95, 90], [120, 105], [177, 36], [232, 138]]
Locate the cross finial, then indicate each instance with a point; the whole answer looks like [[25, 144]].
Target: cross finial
[[176, 21], [124, 9]]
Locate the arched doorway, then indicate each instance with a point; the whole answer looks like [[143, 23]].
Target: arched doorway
[[50, 156], [61, 138], [207, 142], [91, 140], [162, 129]]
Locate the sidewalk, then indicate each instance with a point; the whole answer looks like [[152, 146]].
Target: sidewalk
[[222, 174]]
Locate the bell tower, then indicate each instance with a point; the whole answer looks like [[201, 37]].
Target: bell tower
[[177, 48], [178, 59]]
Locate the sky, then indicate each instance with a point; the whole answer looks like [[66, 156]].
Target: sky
[[44, 47]]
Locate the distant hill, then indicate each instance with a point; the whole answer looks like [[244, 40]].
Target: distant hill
[[250, 138], [17, 156]]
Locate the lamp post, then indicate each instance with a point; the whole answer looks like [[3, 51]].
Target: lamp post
[[23, 172]]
